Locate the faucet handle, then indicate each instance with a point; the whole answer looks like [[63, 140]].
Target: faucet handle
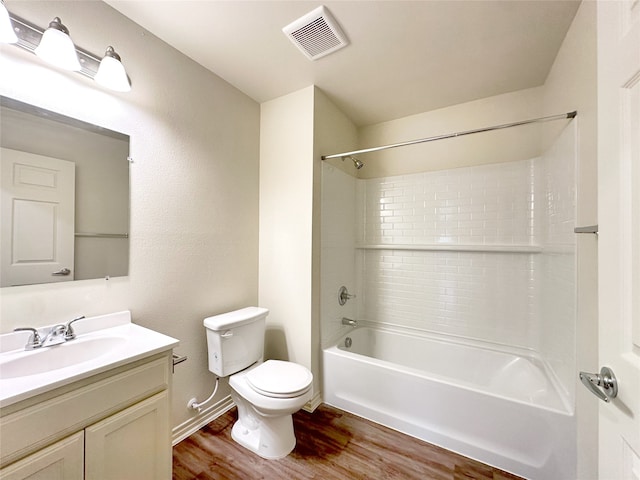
[[69, 334], [344, 295], [35, 341]]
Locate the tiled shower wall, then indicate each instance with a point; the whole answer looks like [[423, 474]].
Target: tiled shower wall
[[556, 266], [479, 294], [485, 252], [338, 258], [489, 204]]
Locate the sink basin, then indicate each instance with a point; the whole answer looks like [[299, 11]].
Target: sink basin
[[47, 359], [102, 343]]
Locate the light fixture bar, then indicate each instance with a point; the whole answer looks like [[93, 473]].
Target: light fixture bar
[[29, 36]]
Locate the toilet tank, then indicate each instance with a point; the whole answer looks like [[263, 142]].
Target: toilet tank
[[235, 339]]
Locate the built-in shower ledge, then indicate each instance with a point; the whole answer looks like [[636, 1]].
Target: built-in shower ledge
[[455, 248]]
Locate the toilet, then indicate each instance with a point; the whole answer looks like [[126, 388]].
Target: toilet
[[267, 393]]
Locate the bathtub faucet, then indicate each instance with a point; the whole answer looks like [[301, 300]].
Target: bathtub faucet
[[348, 321]]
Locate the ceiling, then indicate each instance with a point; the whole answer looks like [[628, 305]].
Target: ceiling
[[404, 57]]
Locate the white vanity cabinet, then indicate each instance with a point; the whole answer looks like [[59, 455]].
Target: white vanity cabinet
[[114, 425]]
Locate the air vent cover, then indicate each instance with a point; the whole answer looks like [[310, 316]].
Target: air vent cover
[[316, 34]]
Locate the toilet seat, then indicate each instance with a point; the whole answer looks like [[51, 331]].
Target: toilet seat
[[279, 379]]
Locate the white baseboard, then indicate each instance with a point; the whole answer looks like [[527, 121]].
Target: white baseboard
[[314, 403], [198, 421], [209, 414]]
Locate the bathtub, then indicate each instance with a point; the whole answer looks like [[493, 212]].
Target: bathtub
[[499, 407]]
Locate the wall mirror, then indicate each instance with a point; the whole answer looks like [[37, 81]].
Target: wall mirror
[[64, 203]]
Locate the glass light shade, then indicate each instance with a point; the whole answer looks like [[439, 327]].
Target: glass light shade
[[111, 73], [7, 35], [57, 48]]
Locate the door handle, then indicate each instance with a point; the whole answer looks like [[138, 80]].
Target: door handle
[[597, 382], [62, 272]]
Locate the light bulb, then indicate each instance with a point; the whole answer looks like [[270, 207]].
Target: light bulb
[[57, 48], [7, 34], [111, 72]]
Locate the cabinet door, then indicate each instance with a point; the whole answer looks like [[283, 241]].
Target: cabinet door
[[60, 461], [134, 444]]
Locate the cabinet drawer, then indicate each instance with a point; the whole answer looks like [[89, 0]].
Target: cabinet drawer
[[34, 427]]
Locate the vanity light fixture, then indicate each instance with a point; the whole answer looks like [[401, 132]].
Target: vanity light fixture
[[49, 44], [57, 48], [7, 35], [111, 72]]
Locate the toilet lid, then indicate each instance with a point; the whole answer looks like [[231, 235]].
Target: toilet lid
[[275, 378]]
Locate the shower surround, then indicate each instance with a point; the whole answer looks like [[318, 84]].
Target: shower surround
[[485, 253]]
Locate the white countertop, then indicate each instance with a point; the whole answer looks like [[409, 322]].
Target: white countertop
[[129, 342]]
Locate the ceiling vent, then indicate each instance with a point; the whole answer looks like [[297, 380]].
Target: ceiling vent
[[316, 34]]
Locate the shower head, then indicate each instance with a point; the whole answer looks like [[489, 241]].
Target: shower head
[[356, 163]]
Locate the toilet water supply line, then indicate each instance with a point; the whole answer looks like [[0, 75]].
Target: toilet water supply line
[[195, 405]]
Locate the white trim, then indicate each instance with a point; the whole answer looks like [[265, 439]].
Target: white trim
[[314, 403], [198, 421]]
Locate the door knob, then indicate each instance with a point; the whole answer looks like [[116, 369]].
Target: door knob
[[63, 272], [603, 385]]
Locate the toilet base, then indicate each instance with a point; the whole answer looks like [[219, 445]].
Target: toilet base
[[269, 437]]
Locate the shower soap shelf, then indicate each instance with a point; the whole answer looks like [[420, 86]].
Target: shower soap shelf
[[455, 248]]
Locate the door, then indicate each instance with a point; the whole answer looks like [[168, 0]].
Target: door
[[134, 444], [37, 211], [61, 461], [619, 233]]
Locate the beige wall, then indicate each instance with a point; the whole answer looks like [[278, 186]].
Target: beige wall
[[571, 85], [295, 131], [194, 186], [286, 203], [492, 147]]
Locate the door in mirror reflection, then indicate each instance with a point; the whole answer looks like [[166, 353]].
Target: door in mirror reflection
[[37, 218]]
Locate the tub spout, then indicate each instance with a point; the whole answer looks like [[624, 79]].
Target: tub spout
[[348, 321]]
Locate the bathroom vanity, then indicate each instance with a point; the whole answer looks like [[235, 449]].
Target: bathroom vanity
[[107, 417]]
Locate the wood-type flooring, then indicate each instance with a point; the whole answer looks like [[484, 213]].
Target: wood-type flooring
[[332, 445]]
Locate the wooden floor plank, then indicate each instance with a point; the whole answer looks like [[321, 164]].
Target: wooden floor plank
[[331, 444]]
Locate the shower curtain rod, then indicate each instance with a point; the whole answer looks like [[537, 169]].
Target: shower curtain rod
[[452, 135]]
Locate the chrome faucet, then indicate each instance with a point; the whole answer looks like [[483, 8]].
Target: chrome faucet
[[55, 336], [348, 321], [58, 334]]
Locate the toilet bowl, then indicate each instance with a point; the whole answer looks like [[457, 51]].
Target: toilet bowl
[[266, 396], [266, 393]]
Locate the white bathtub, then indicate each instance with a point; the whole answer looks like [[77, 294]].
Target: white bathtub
[[497, 407]]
